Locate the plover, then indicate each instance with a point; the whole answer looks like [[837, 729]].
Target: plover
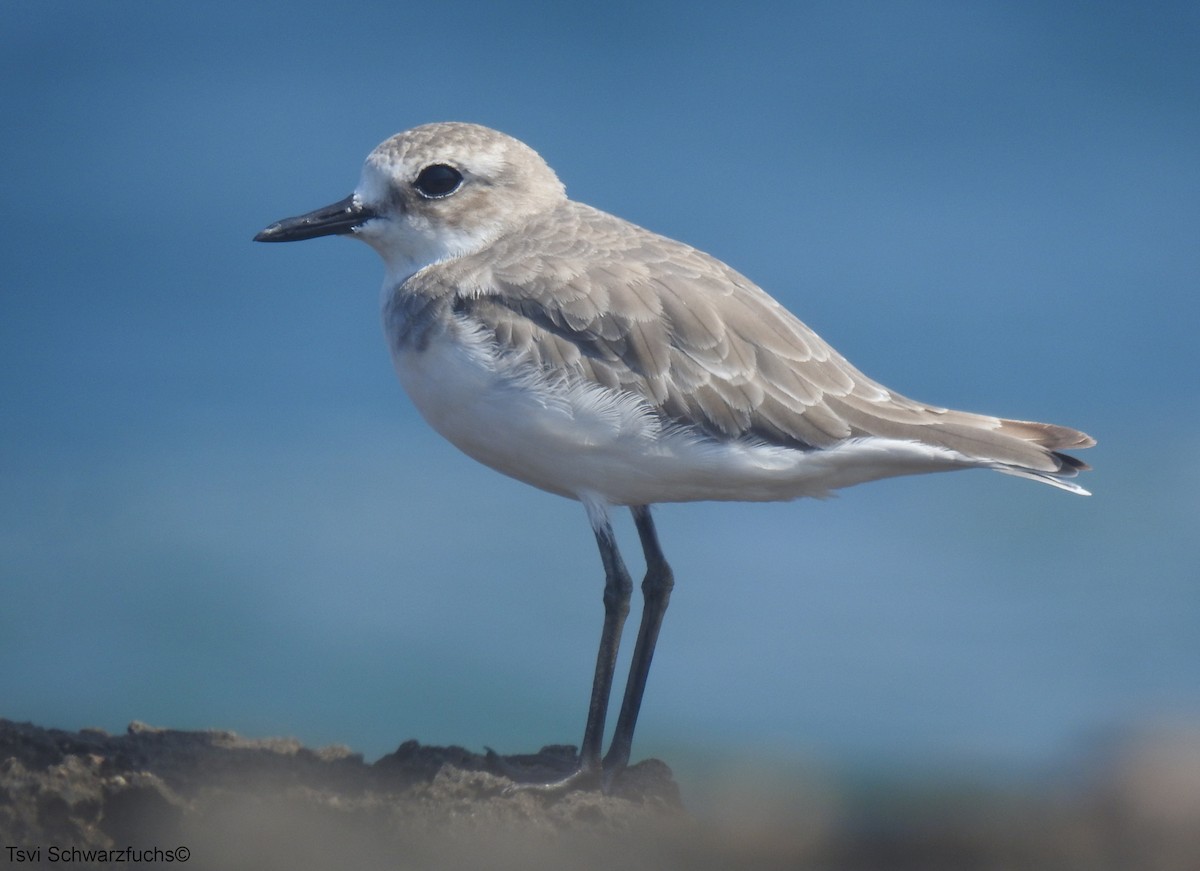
[[592, 358]]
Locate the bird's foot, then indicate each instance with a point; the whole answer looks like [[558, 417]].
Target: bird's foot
[[582, 779], [542, 779]]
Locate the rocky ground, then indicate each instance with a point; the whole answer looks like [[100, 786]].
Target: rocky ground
[[216, 800]]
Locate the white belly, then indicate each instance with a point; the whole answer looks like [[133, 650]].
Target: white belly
[[581, 440]]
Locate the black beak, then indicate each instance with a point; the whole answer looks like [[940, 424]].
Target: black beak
[[344, 216]]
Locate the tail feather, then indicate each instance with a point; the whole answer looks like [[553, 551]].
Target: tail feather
[[1052, 438], [1048, 435]]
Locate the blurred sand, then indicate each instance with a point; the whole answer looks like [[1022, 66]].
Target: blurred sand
[[267, 804]]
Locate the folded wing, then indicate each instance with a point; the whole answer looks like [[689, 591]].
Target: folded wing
[[607, 301]]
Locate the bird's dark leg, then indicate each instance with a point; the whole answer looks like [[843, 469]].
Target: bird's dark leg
[[656, 590], [617, 589]]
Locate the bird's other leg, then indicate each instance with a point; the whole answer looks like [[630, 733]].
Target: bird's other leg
[[617, 590], [656, 590]]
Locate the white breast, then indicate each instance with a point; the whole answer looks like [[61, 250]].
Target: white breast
[[568, 438]]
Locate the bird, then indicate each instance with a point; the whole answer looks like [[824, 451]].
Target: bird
[[597, 360]]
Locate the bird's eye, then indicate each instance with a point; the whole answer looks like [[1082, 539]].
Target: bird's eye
[[437, 181]]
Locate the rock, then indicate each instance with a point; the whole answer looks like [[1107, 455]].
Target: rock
[[230, 801]]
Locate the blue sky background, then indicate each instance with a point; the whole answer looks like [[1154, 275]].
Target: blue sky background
[[218, 509]]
